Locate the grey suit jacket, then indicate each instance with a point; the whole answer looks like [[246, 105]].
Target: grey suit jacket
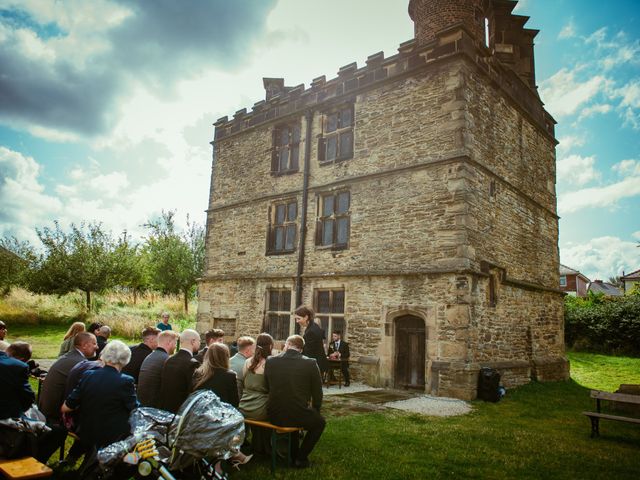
[[150, 377], [53, 388]]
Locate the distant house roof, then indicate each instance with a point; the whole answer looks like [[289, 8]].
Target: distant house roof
[[564, 270], [631, 276], [598, 286]]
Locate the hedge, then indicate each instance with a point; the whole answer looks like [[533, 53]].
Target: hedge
[[603, 324]]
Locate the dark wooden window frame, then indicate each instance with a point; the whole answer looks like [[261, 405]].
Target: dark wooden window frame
[[285, 153], [283, 221], [336, 143], [333, 214], [328, 317], [279, 313]]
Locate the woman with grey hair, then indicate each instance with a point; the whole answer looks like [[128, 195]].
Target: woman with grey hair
[[105, 398]]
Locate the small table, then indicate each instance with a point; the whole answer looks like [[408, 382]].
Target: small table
[[335, 364]]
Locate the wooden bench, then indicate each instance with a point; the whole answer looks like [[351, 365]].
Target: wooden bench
[[614, 398], [24, 468], [275, 431]]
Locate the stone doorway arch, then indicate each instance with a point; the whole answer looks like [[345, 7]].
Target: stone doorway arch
[[410, 352]]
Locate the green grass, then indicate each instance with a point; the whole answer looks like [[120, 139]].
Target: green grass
[[536, 432], [45, 339], [603, 372]]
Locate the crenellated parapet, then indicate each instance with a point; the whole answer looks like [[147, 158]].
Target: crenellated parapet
[[412, 57]]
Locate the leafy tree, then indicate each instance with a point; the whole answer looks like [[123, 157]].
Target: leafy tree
[[131, 265], [82, 259], [175, 261], [15, 260]]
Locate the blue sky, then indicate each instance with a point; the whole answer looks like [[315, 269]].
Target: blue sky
[[106, 106]]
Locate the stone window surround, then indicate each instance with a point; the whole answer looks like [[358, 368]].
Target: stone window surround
[[279, 313], [334, 217], [292, 147], [331, 316], [287, 225], [337, 132]]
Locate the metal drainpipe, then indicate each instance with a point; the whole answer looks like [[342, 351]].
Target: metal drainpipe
[[303, 214]]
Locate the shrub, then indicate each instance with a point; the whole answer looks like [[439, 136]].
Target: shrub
[[603, 324]]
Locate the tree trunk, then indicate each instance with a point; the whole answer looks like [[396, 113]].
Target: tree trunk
[[186, 301], [88, 293], [135, 295]]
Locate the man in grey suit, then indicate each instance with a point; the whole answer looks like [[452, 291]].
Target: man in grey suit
[[293, 381], [151, 369], [53, 387]]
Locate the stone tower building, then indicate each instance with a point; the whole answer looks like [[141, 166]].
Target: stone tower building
[[411, 201]]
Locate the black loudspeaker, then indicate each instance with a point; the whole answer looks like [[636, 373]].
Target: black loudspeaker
[[489, 385]]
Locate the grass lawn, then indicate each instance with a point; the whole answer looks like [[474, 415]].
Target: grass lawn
[[45, 339], [536, 432]]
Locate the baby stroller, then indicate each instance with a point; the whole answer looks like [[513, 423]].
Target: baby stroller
[[185, 445]]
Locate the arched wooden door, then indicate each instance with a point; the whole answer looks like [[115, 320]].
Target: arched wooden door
[[410, 348]]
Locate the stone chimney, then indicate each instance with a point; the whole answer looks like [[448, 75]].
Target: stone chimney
[[273, 86]]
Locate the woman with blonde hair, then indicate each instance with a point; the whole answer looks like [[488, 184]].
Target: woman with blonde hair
[[67, 343], [214, 374]]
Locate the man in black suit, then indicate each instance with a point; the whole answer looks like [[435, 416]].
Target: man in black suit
[[293, 381], [313, 337], [54, 385], [151, 369], [215, 335], [339, 350], [177, 373], [17, 397], [102, 338], [141, 351]]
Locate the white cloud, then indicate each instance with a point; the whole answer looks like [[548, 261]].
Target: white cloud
[[636, 235], [601, 258], [569, 142], [627, 167], [24, 202], [564, 94], [599, 197], [595, 109], [568, 31], [577, 170]]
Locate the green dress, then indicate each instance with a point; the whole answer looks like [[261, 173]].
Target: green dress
[[253, 404]]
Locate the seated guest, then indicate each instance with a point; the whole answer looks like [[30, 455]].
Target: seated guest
[[215, 335], [67, 342], [105, 398], [177, 372], [53, 387], [214, 374], [246, 346], [164, 322], [339, 350], [70, 420], [94, 328], [103, 337], [253, 403], [18, 396], [294, 382], [141, 351], [151, 369]]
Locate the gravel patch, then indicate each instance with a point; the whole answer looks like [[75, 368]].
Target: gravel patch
[[353, 388], [432, 406]]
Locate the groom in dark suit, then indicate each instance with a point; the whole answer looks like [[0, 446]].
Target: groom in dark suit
[[339, 350], [294, 381]]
